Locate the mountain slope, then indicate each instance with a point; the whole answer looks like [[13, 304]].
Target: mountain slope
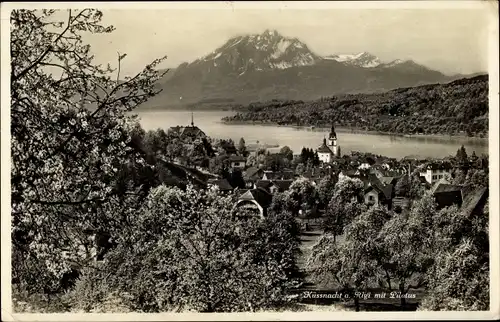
[[270, 66], [459, 107]]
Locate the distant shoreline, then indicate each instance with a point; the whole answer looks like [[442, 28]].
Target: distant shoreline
[[312, 128], [361, 131]]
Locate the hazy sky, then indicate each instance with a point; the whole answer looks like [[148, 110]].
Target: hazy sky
[[449, 40]]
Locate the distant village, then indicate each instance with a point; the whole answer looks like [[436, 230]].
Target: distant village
[[260, 180]]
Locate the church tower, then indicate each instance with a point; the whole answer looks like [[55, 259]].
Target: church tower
[[332, 142]]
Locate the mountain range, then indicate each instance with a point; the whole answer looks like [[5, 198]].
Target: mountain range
[[266, 66]]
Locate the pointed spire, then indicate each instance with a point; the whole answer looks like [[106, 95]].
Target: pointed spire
[[192, 119], [333, 135], [324, 140]]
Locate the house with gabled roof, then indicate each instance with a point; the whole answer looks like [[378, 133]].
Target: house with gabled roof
[[252, 175], [278, 175], [274, 186], [377, 193], [221, 184], [257, 200], [188, 133], [237, 161], [264, 184], [389, 180], [447, 195]]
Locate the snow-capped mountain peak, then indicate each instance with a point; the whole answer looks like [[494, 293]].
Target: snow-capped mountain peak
[[363, 59], [395, 62], [268, 50]]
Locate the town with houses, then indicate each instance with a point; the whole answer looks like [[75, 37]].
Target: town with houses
[[379, 174]]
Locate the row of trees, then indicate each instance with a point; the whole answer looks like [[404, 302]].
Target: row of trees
[[445, 251]]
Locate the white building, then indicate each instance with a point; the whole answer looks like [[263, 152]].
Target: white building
[[326, 152], [435, 172]]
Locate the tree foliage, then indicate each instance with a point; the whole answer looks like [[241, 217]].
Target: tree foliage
[[344, 205], [70, 133], [302, 195], [326, 188], [192, 251]]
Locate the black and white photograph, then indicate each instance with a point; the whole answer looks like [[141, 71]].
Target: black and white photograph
[[266, 160]]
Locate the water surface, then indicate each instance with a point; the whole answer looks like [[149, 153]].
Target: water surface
[[296, 139]]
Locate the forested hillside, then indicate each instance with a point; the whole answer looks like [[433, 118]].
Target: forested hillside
[[459, 107]]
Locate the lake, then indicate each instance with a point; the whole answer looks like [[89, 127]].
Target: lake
[[296, 139]]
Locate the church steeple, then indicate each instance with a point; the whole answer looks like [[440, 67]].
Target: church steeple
[[192, 119], [333, 135]]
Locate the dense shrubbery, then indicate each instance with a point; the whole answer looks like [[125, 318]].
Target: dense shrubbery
[[454, 108]]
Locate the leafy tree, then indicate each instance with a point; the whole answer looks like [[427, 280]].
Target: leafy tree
[[154, 142], [316, 161], [191, 251], [460, 281], [402, 187], [484, 162], [242, 148], [220, 165], [175, 149], [235, 179], [275, 162], [208, 148], [70, 133], [408, 246], [196, 155], [350, 266], [287, 153], [326, 188], [460, 177], [461, 156], [302, 195], [344, 205], [476, 179], [474, 159], [300, 169], [416, 190]]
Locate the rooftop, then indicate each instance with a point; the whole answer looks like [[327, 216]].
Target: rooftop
[[223, 184], [253, 172], [324, 149], [443, 187], [283, 185], [474, 201], [261, 196], [237, 158]]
